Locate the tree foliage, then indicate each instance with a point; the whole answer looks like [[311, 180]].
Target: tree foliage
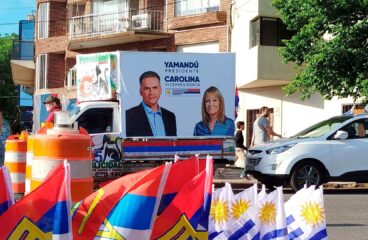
[[8, 92], [330, 45]]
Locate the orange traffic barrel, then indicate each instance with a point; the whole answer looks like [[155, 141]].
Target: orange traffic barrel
[[29, 159], [44, 127], [64, 143], [15, 160]]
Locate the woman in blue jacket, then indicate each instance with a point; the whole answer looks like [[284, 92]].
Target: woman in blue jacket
[[214, 122]]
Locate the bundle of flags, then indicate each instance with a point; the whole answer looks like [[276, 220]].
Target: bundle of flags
[[168, 202], [172, 201], [43, 213], [248, 215]]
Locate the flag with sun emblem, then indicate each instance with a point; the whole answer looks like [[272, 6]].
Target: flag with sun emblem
[[220, 210], [305, 215], [271, 215], [245, 224]]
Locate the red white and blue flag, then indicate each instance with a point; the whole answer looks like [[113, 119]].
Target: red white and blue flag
[[6, 191], [42, 214], [136, 206], [122, 209], [236, 101], [186, 216]]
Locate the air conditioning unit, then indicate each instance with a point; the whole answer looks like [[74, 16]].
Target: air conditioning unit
[[141, 21]]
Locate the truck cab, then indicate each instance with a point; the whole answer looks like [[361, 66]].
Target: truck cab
[[97, 116]]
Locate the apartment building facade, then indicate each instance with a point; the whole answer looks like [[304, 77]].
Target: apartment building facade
[[249, 28], [257, 34], [65, 28]]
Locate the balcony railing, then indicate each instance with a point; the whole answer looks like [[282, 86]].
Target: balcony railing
[[23, 50], [187, 12], [111, 23]]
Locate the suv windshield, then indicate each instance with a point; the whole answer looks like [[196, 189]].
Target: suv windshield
[[321, 128]]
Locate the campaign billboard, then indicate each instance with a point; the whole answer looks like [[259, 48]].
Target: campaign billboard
[[169, 94]]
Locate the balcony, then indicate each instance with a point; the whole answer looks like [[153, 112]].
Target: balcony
[[23, 50], [115, 28], [187, 12], [22, 64], [264, 68], [191, 18]]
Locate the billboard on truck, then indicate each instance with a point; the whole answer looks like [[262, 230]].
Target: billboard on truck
[[184, 95], [159, 102]]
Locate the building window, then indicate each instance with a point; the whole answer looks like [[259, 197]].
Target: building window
[[43, 19], [41, 71], [190, 7], [72, 79], [268, 32]]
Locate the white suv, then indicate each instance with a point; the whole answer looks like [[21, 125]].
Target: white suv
[[334, 149]]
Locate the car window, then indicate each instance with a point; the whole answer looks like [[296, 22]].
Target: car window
[[321, 128], [357, 129], [96, 120]]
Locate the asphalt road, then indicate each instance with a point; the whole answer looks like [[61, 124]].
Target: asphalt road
[[346, 208]]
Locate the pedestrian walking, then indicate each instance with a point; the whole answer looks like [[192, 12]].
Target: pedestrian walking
[[262, 129], [239, 144]]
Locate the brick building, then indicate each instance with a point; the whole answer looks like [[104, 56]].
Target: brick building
[[65, 28]]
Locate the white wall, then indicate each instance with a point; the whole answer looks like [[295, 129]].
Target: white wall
[[260, 69], [260, 65], [210, 47], [291, 115]]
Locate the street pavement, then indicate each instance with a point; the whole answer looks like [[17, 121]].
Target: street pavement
[[231, 174]]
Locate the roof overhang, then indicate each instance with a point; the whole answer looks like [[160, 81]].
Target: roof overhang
[[23, 72]]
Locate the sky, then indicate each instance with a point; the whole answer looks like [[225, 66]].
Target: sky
[[12, 11]]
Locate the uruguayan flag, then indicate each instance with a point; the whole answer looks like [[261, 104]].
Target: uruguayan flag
[[245, 224], [271, 215], [220, 210], [306, 215]]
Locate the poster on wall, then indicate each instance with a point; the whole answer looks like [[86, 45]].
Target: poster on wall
[[168, 95], [97, 76]]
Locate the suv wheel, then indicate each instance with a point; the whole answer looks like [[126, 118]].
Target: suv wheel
[[309, 173]]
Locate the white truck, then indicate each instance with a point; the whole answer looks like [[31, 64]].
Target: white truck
[[184, 78]]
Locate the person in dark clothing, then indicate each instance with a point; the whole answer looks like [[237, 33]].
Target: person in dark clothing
[[240, 150], [239, 144], [149, 118], [239, 138]]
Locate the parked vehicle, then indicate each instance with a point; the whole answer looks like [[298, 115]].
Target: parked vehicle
[[334, 149]]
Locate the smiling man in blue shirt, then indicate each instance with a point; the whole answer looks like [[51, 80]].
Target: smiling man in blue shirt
[[148, 118]]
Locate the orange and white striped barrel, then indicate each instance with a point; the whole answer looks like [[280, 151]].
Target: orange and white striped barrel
[[29, 164], [52, 148], [15, 160]]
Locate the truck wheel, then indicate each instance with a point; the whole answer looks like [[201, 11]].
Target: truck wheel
[[308, 172]]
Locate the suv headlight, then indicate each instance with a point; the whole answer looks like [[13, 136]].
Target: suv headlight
[[280, 149]]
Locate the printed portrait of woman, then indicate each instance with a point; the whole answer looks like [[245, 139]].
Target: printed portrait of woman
[[214, 122]]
